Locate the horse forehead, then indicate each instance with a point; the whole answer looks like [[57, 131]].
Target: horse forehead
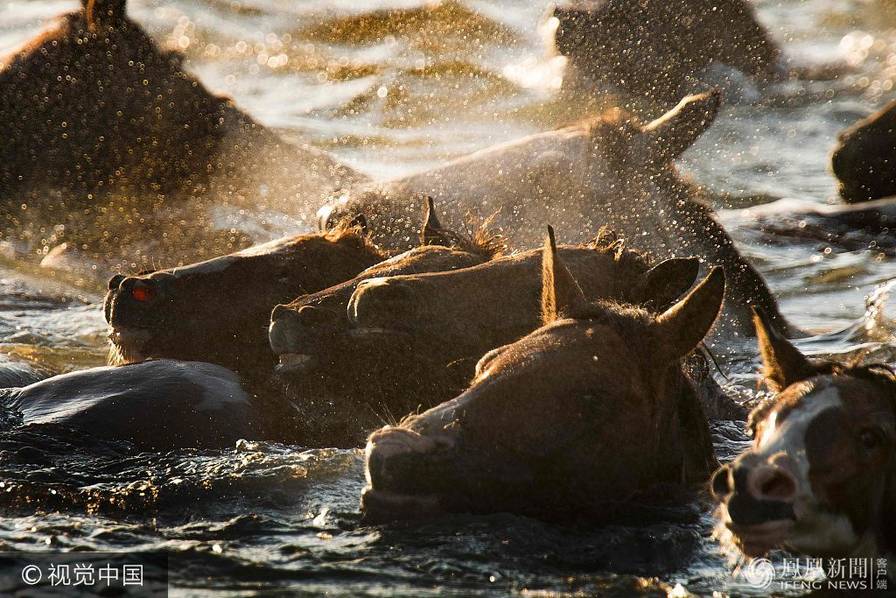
[[865, 400], [786, 427], [569, 342]]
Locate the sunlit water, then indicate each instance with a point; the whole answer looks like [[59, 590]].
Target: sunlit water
[[394, 87]]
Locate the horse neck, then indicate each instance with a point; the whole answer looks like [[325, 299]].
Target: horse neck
[[704, 236]]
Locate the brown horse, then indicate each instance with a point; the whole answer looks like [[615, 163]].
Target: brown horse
[[95, 116], [572, 421], [458, 316], [658, 49], [612, 172], [864, 157], [217, 311], [820, 478]]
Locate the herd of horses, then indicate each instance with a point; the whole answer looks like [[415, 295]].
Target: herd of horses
[[519, 375]]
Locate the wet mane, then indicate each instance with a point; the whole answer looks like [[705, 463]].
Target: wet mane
[[608, 241], [480, 239], [629, 320]]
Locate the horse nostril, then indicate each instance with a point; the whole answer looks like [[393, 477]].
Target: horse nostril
[[115, 281], [285, 332], [720, 483], [766, 482]]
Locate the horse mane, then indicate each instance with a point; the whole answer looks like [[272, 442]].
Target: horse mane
[[631, 261], [349, 231], [478, 238], [878, 373], [482, 240]]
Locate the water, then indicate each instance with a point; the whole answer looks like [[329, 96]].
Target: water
[[394, 87]]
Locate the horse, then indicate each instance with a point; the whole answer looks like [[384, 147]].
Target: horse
[[339, 395], [217, 311], [864, 156], [658, 49], [155, 405], [110, 137], [573, 421], [820, 477], [612, 171]]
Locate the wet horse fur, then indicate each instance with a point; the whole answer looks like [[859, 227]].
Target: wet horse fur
[[571, 422]]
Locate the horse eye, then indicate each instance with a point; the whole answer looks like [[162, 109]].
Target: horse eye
[[870, 439], [142, 294]]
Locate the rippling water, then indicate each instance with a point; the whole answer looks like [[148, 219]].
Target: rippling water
[[393, 87]]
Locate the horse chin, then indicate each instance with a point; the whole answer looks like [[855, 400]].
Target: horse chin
[[380, 506], [824, 533], [128, 345]]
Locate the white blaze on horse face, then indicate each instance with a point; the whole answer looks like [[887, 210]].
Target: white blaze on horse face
[[816, 530], [789, 435]]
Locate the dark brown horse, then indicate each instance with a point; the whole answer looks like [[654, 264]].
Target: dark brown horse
[[572, 421], [218, 310], [820, 478], [658, 49], [95, 116], [458, 316]]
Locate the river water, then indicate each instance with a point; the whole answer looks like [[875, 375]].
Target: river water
[[394, 86]]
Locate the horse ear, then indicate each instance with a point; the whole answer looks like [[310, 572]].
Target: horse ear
[[432, 232], [675, 131], [683, 326], [105, 13], [667, 281], [782, 363], [559, 290]]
